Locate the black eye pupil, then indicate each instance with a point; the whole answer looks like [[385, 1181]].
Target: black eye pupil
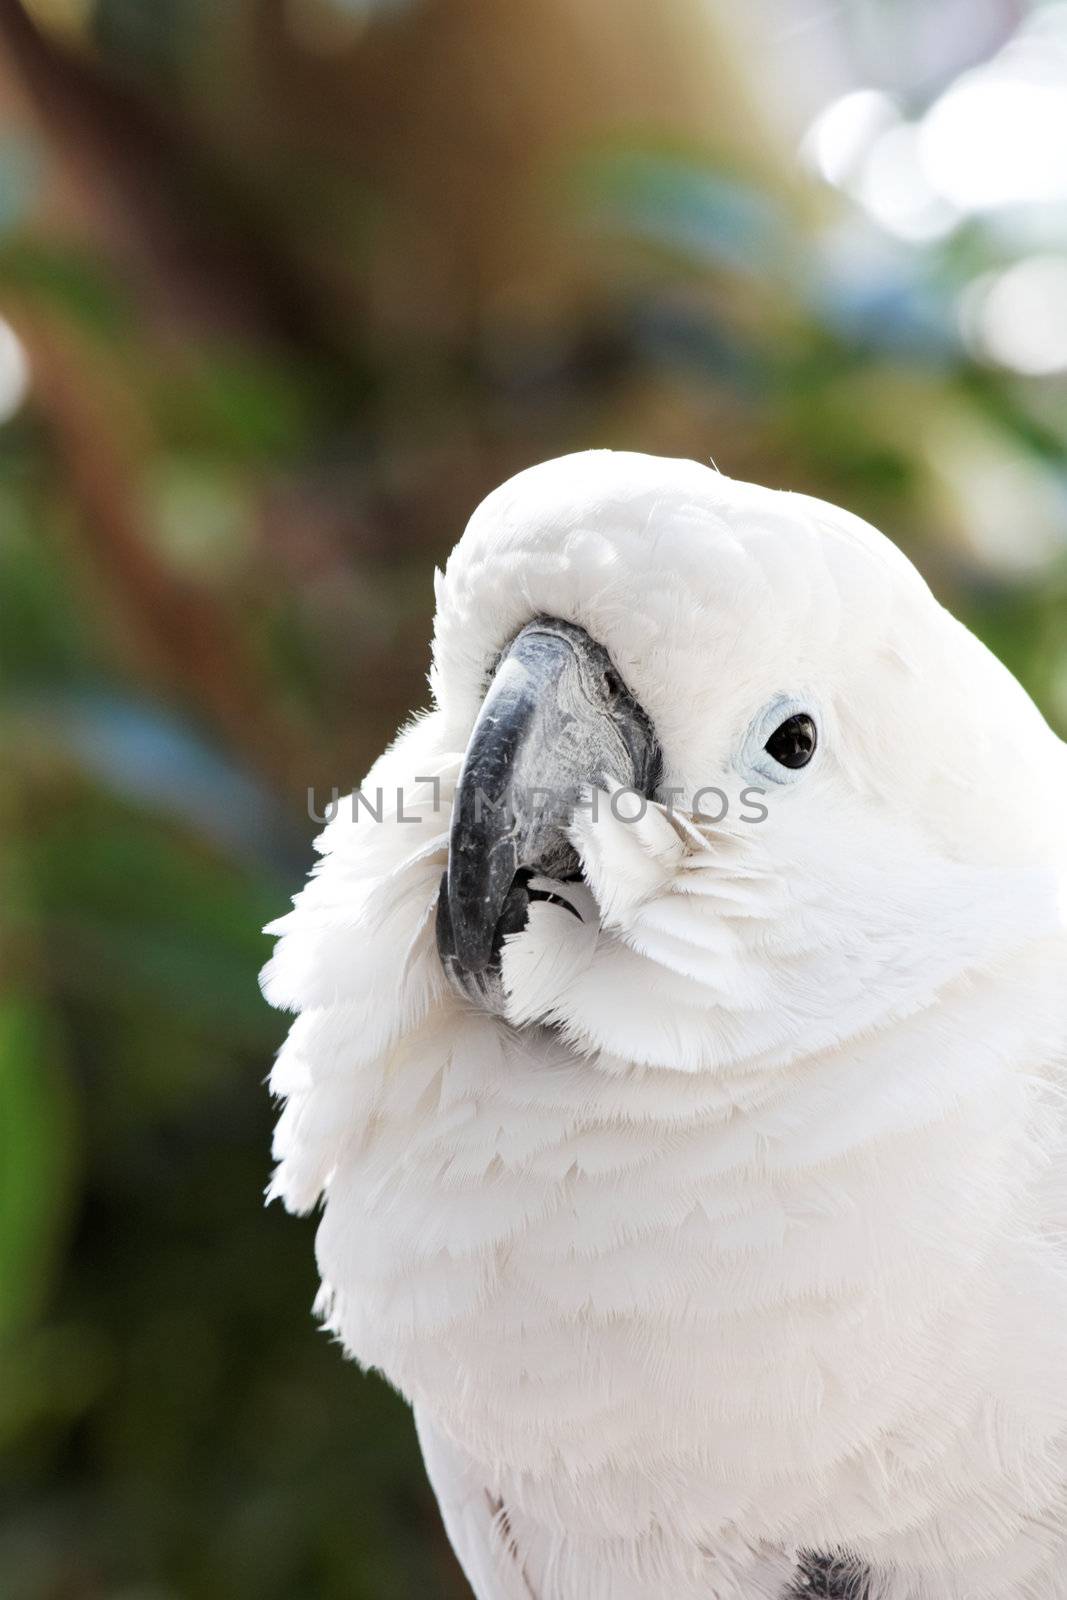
[[612, 681], [793, 743]]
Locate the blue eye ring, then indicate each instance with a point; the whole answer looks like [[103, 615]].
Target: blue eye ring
[[794, 721]]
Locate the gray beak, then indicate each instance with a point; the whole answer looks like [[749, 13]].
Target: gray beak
[[556, 718]]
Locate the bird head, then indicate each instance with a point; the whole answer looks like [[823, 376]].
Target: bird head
[[820, 797]]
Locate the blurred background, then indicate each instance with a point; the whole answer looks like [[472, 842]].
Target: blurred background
[[285, 287]]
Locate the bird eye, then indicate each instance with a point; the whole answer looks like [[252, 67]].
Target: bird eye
[[792, 744], [612, 682]]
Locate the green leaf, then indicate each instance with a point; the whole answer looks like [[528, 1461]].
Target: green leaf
[[36, 1165], [68, 280]]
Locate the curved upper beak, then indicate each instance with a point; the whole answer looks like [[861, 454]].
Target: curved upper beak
[[556, 719]]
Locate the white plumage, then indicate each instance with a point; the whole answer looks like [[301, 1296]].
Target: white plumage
[[760, 1248]]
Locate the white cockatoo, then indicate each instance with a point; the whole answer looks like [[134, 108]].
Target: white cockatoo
[[680, 1060]]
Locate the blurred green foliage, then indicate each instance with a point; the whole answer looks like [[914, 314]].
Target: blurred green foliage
[[296, 285]]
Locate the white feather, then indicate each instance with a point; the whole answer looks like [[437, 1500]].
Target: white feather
[[762, 1246]]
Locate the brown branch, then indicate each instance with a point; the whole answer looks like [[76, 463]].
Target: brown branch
[[185, 638], [202, 252]]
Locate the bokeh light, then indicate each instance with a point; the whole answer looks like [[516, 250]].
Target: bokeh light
[[1018, 317], [14, 372]]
